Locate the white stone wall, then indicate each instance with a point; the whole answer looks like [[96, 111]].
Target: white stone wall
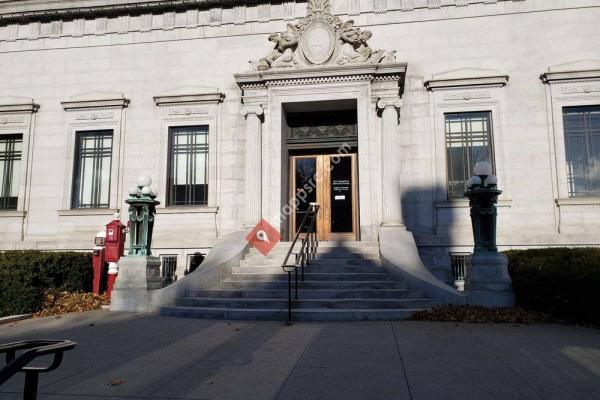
[[152, 54]]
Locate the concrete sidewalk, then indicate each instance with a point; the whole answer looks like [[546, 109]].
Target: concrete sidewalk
[[148, 357]]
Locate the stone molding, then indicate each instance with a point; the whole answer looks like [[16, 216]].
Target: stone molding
[[84, 212], [20, 12], [581, 70], [93, 101], [38, 20], [319, 75], [551, 77], [13, 214], [187, 210], [464, 203], [17, 105], [205, 98], [499, 80], [578, 201]]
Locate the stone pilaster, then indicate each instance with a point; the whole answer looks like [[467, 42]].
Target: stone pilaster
[[253, 170], [390, 162]]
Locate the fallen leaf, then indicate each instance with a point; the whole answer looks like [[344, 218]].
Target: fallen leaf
[[115, 382]]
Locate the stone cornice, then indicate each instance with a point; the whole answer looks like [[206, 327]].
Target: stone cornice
[[96, 9], [18, 105], [95, 102], [550, 77], [35, 10], [203, 98], [476, 81], [318, 75]]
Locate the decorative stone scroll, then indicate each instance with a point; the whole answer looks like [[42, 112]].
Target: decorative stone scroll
[[321, 38]]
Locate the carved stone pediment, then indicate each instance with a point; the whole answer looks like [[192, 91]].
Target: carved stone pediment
[[320, 39]]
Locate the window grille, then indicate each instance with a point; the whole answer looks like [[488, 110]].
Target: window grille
[[168, 267], [188, 166], [459, 263], [11, 147], [582, 148], [91, 176], [193, 261], [468, 141]]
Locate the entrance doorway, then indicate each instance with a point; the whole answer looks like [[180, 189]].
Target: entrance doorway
[[329, 180]]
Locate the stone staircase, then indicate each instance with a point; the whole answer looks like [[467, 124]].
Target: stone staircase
[[344, 282]]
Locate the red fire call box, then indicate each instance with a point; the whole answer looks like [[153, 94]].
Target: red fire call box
[[115, 240]]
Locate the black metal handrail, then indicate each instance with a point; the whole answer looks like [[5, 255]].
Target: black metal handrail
[[307, 252], [33, 349]]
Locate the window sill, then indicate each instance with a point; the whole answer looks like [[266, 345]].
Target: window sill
[[12, 214], [464, 203], [80, 212], [578, 201], [188, 210]]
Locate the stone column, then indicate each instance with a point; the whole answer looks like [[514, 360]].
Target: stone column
[[390, 162], [253, 169]]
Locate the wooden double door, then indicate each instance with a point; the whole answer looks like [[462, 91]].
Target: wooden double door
[[329, 180]]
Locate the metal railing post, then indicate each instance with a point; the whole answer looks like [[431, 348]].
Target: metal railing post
[[303, 256], [289, 321], [31, 386]]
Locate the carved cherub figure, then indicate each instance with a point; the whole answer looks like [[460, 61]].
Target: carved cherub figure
[[354, 47], [288, 41], [266, 62], [282, 54]]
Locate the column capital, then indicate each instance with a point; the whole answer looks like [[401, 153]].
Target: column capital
[[384, 102], [252, 109]]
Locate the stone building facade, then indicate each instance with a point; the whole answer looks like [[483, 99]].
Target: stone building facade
[[212, 100]]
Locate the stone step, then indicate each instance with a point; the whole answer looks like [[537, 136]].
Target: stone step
[[304, 314], [357, 303], [316, 262], [281, 249], [308, 276], [333, 243], [276, 269], [303, 285], [321, 253], [309, 293]]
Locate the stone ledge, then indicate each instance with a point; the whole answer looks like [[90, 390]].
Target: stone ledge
[[481, 81], [205, 98], [464, 203], [18, 105], [12, 214], [95, 100], [80, 212], [578, 201], [550, 77], [188, 210]]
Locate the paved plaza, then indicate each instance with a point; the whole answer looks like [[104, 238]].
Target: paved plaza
[[133, 356]]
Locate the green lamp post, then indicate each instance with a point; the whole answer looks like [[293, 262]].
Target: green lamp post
[[483, 196], [139, 272], [142, 207], [488, 282]]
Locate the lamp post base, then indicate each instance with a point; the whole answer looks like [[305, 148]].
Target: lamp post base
[[488, 282], [137, 276]]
